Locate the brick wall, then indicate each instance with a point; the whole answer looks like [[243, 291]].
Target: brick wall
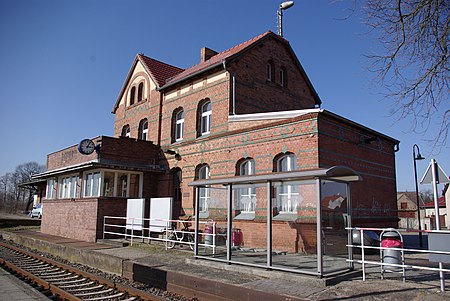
[[255, 94], [373, 199], [72, 219]]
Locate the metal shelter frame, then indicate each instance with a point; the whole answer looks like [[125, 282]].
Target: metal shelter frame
[[340, 174]]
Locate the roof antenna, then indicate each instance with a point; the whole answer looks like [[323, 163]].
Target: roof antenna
[[283, 6]]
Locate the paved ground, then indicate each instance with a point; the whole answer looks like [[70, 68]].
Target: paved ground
[[418, 285], [13, 289]]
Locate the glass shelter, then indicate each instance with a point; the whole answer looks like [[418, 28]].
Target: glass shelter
[[292, 221]]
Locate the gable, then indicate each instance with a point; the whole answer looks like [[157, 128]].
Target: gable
[[144, 69]]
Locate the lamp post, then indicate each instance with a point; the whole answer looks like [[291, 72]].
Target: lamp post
[[283, 6], [415, 158]]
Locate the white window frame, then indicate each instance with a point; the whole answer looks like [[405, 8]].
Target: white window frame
[[68, 187], [144, 133], [247, 195], [287, 195], [88, 184], [204, 192], [206, 115], [50, 193], [179, 125]]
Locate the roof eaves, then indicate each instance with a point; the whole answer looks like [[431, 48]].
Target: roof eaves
[[122, 90], [348, 121]]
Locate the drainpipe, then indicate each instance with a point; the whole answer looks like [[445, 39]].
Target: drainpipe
[[160, 118], [233, 90]]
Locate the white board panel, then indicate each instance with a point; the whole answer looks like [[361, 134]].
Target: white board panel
[[160, 214], [135, 214]]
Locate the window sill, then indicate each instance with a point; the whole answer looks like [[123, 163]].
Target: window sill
[[245, 216], [203, 214], [290, 217]]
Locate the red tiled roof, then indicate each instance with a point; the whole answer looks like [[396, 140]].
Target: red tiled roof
[[219, 58], [159, 71], [441, 203]]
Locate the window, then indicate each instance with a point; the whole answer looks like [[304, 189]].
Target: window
[[179, 125], [140, 91], [143, 129], [68, 187], [287, 196], [132, 95], [246, 195], [51, 189], [126, 131], [205, 118], [283, 77], [204, 192], [109, 183], [133, 191], [270, 71], [122, 185], [403, 205], [92, 184]]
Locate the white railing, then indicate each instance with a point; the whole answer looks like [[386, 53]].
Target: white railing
[[143, 228], [402, 252]]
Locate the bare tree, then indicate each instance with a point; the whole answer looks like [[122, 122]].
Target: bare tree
[[13, 195], [414, 61]]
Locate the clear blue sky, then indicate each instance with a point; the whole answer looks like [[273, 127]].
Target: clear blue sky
[[63, 63]]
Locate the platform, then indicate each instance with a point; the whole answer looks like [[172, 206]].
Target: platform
[[178, 272]]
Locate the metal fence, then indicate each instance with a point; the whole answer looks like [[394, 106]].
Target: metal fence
[[169, 232], [398, 257]]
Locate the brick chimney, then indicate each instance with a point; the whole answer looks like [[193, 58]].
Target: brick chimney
[[206, 54]]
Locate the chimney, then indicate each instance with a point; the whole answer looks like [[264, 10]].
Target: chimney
[[206, 54]]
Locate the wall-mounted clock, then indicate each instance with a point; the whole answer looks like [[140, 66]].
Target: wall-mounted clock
[[86, 147]]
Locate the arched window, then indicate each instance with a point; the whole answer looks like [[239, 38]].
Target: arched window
[[286, 162], [287, 193], [178, 125], [126, 131], [205, 118], [283, 77], [143, 130], [132, 95], [246, 196], [270, 71], [204, 192], [140, 91]]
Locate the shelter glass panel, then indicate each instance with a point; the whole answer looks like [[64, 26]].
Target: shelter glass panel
[[294, 228], [335, 218]]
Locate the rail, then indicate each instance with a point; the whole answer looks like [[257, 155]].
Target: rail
[[401, 254], [167, 231], [65, 282]]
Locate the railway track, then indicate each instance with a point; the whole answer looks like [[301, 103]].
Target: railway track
[[66, 282]]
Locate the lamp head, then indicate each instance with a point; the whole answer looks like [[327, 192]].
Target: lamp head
[[286, 5], [419, 157]]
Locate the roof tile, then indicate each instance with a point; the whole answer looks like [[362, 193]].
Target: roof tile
[[158, 70], [218, 58]]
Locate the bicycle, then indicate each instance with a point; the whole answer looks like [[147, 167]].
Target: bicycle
[[175, 237]]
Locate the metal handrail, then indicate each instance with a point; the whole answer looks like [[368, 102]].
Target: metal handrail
[[403, 250]]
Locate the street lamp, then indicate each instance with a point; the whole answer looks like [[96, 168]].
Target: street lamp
[[283, 6], [415, 158]]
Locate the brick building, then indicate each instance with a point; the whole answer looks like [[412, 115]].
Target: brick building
[[250, 109]]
